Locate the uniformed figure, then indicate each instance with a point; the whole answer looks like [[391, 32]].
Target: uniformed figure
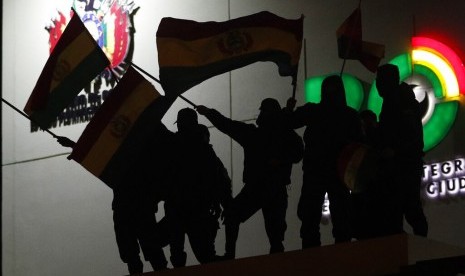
[[330, 126], [135, 202], [200, 186], [136, 194], [401, 148], [270, 149]]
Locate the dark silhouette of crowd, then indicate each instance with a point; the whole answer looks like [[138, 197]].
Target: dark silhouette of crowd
[[270, 149], [182, 171]]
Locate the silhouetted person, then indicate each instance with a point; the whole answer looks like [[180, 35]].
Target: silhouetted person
[[401, 147], [135, 198], [199, 186], [135, 203], [330, 126], [223, 188], [270, 149], [365, 201]]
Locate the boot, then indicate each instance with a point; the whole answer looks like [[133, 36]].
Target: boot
[[135, 267], [179, 260], [232, 232], [158, 261]]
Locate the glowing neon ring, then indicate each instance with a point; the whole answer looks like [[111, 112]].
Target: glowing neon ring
[[444, 70]]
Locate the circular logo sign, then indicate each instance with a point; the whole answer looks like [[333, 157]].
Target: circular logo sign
[[438, 77]]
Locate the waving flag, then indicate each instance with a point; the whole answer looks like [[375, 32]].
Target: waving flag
[[116, 133], [190, 52], [371, 55], [351, 46], [349, 36], [73, 63]]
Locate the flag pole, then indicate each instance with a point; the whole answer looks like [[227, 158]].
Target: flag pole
[[188, 101], [305, 58], [29, 118], [294, 88], [294, 83], [343, 65], [145, 72], [294, 78], [157, 80], [305, 69]]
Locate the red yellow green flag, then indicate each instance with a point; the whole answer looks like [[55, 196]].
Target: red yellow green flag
[[119, 128], [351, 46], [190, 52], [73, 63]]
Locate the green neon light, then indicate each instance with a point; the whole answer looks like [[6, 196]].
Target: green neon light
[[439, 124], [432, 78], [353, 87], [313, 89], [444, 114]]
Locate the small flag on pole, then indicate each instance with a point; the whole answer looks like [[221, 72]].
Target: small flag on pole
[[349, 36], [371, 55], [73, 63], [118, 130], [351, 45], [190, 52]]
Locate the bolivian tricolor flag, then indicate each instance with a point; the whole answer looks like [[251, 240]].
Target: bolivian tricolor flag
[[73, 63], [190, 52], [119, 129], [351, 46]]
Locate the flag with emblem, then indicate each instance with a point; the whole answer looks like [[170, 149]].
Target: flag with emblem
[[350, 44], [190, 52], [74, 62], [115, 135]]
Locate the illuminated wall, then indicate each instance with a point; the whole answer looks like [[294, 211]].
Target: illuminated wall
[[57, 217]]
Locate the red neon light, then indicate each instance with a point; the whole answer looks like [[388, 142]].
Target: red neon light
[[449, 55]]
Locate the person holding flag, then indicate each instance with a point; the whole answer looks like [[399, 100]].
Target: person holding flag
[[135, 201], [330, 126], [127, 147], [270, 149], [401, 163]]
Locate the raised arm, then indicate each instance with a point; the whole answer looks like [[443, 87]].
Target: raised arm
[[234, 129], [300, 116]]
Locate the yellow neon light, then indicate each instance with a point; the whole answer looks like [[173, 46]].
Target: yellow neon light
[[441, 68]]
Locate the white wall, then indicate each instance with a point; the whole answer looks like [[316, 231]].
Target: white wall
[[57, 217]]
